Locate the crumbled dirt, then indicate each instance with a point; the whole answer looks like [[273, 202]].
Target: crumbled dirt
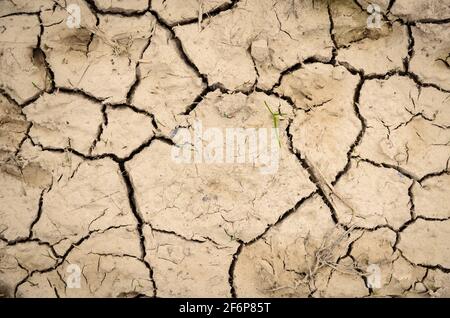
[[90, 116]]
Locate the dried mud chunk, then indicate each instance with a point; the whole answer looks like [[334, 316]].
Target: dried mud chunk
[[8, 7], [177, 263], [64, 120], [342, 284], [22, 68], [67, 48], [350, 23], [260, 50], [18, 201], [404, 280], [94, 198], [426, 243], [222, 50], [124, 132], [395, 278], [124, 6], [374, 247], [167, 85], [283, 262], [18, 206], [198, 199], [121, 56], [369, 196], [26, 178], [379, 53], [177, 11], [19, 259], [431, 197], [431, 57], [109, 58], [421, 9], [437, 283], [326, 125], [13, 128], [109, 267], [388, 273], [405, 127]]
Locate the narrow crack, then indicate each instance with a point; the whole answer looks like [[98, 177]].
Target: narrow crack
[[280, 27], [427, 266], [74, 152], [407, 60], [412, 207], [332, 35], [356, 98], [389, 7], [113, 11], [49, 72], [255, 67], [75, 91], [207, 15], [285, 72], [136, 110], [282, 217], [137, 79], [231, 270], [187, 239], [140, 222], [287, 99], [433, 21], [359, 5], [100, 130], [38, 214], [25, 138], [314, 177], [180, 48], [435, 174], [19, 13], [208, 89], [147, 144], [112, 156], [400, 170]]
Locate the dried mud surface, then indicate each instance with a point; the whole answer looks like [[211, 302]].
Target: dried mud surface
[[88, 116]]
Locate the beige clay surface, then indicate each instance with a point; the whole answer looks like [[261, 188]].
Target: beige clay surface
[[359, 205]]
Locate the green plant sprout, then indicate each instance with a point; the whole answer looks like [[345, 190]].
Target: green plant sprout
[[35, 85], [276, 117]]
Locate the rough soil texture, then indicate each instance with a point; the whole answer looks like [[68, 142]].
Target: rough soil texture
[[89, 118]]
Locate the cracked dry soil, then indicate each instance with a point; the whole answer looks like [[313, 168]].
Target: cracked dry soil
[[87, 117]]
